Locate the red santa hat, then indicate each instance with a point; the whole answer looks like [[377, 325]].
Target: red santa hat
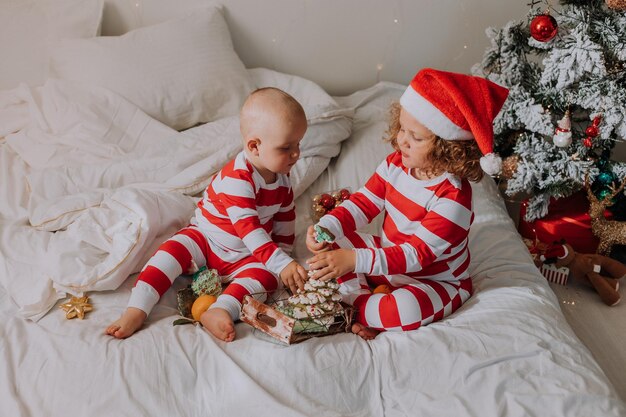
[[457, 107]]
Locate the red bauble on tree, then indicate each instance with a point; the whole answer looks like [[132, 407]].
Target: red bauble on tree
[[543, 27], [592, 131], [596, 121]]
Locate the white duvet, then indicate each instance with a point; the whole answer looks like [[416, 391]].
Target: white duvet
[[91, 184], [507, 352]]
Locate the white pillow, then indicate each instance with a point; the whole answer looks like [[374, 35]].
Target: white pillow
[[181, 72], [28, 27]]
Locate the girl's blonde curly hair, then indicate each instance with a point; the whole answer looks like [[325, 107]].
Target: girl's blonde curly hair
[[458, 157]]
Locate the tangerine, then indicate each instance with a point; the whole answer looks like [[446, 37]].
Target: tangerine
[[382, 289], [202, 304]]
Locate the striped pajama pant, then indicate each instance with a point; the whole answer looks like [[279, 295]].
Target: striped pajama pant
[[190, 248], [413, 302]]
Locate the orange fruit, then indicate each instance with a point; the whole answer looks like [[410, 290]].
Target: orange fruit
[[201, 305], [382, 289]]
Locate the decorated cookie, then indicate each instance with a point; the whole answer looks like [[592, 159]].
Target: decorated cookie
[[323, 235]]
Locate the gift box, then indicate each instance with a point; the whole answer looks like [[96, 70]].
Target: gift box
[[549, 271], [554, 274], [272, 318], [568, 218]]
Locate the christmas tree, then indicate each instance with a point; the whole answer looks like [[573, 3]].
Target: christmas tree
[[566, 71]]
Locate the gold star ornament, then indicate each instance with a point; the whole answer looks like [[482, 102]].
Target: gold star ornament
[[76, 307]]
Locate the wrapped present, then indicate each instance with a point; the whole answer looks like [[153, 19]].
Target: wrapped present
[[550, 271], [568, 219], [554, 274], [326, 202], [312, 312]]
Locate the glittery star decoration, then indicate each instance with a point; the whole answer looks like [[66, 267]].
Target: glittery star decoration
[[76, 307]]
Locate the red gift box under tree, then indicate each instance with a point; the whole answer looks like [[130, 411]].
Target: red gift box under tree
[[568, 218]]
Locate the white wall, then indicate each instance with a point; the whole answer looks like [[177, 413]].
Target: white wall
[[343, 45]]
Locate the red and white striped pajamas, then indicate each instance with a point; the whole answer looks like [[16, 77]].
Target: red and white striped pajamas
[[231, 233], [422, 253]]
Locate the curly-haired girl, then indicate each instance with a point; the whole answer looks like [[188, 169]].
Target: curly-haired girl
[[440, 131]]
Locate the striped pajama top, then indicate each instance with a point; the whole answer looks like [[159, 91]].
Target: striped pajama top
[[243, 215], [425, 228]]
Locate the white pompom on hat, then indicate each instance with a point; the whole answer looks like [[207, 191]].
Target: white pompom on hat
[[457, 107]]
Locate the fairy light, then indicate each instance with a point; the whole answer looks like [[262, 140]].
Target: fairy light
[[136, 8], [379, 69]]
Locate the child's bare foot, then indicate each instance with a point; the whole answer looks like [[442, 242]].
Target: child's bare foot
[[219, 323], [129, 323], [366, 333]]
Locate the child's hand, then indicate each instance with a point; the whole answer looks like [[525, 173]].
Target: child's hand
[[312, 243], [293, 276], [332, 264]]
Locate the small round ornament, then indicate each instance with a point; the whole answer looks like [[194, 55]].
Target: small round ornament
[[543, 27], [592, 131], [596, 121], [327, 201], [344, 194], [317, 198], [605, 178], [587, 142], [602, 193], [319, 211]]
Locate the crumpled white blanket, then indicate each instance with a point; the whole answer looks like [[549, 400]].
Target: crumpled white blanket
[[90, 184]]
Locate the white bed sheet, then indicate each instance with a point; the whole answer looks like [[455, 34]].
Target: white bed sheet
[[507, 352]]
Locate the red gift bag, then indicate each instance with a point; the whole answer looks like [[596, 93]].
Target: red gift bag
[[568, 218]]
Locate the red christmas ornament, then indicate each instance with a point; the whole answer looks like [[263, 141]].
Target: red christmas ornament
[[543, 27], [597, 120], [587, 142], [344, 194], [592, 131], [327, 201]]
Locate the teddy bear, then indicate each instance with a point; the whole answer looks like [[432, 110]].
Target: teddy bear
[[590, 268]]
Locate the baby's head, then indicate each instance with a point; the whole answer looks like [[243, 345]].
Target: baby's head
[[272, 125], [444, 122]]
